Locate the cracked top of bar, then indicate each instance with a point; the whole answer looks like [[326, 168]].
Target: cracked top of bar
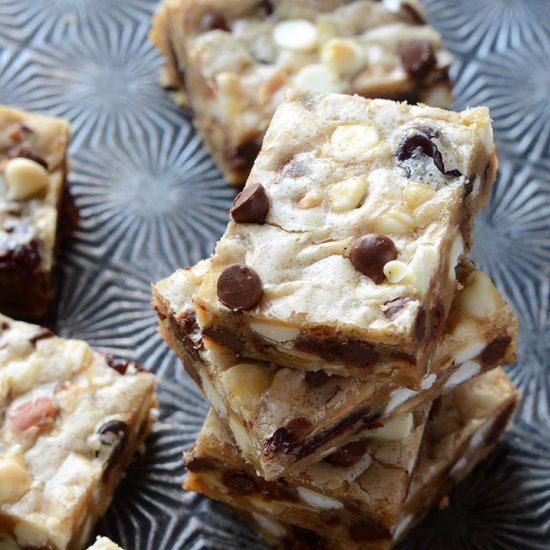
[[343, 245], [70, 422], [281, 416], [231, 62], [32, 181]]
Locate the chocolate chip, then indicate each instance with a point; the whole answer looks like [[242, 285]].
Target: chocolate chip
[[304, 539], [199, 464], [283, 439], [435, 409], [224, 337], [21, 151], [438, 313], [348, 454], [395, 307], [468, 186], [242, 157], [370, 253], [251, 205], [122, 365], [239, 287], [213, 20], [367, 531], [354, 352], [299, 427], [419, 141], [417, 57], [495, 350], [4, 325], [113, 435], [42, 334], [20, 256], [189, 328], [239, 482], [267, 6], [316, 377], [420, 325]]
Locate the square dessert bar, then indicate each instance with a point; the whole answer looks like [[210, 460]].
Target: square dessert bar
[[70, 422], [33, 171], [230, 62], [283, 417], [367, 494], [342, 249]]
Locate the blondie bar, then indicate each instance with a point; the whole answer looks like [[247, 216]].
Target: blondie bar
[[230, 62], [357, 497], [281, 417], [70, 422], [33, 171], [343, 245]]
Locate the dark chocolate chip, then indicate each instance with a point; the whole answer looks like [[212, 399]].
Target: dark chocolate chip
[[251, 205], [22, 256], [122, 365], [276, 490], [395, 307], [224, 337], [299, 427], [242, 157], [348, 454], [438, 313], [4, 325], [367, 531], [420, 141], [213, 20], [283, 439], [354, 352], [239, 287], [42, 334], [267, 6], [435, 409], [239, 482], [114, 435], [370, 253], [199, 464], [316, 377], [189, 328], [420, 325], [468, 186], [22, 151], [304, 539], [417, 57], [495, 350]]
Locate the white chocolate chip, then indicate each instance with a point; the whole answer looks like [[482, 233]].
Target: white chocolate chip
[[471, 350], [428, 381], [212, 396], [394, 223], [240, 435], [465, 372], [25, 178], [395, 271], [343, 56], [457, 249], [317, 78], [421, 267], [348, 194], [295, 34], [438, 96], [275, 331], [310, 200], [272, 527], [479, 297], [392, 5], [398, 397], [395, 429], [415, 194], [245, 383], [15, 478], [487, 137], [350, 140], [317, 500]]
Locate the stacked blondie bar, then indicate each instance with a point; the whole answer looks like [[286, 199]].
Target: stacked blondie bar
[[348, 347]]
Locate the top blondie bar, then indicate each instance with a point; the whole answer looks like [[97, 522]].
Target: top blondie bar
[[231, 61], [343, 245]]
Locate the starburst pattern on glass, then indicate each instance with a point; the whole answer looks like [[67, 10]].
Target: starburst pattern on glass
[[156, 198], [38, 21], [479, 26]]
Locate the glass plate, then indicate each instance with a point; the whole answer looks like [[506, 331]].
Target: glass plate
[[151, 201]]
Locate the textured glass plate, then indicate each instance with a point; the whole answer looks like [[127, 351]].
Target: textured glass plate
[[151, 201]]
